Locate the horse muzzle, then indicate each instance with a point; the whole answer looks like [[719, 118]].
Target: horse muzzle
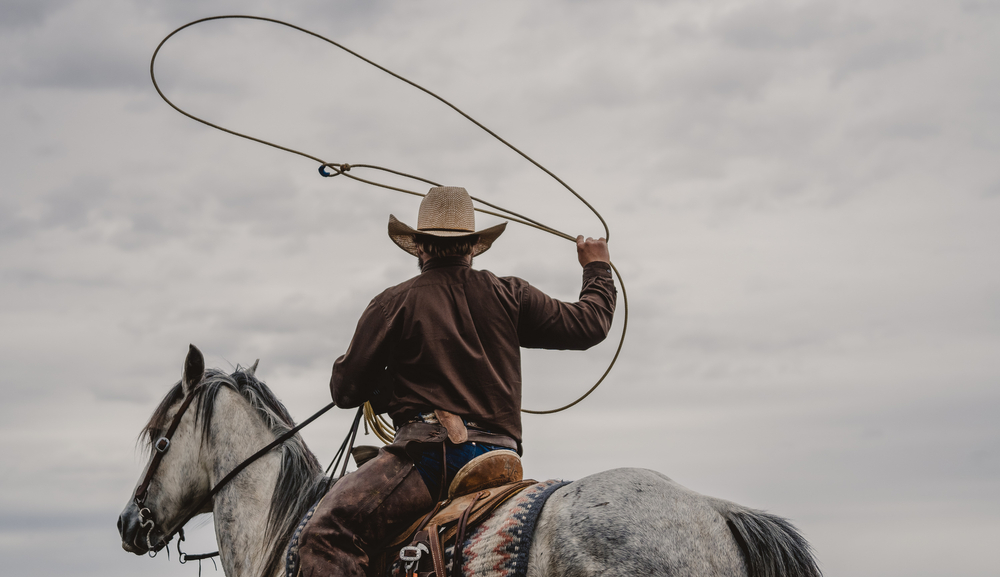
[[138, 532]]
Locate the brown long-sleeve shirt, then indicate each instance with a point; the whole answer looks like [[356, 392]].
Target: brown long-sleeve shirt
[[450, 339]]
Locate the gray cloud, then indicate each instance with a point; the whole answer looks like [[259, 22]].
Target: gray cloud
[[788, 26], [76, 46], [22, 14]]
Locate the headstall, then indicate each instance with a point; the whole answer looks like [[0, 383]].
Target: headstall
[[160, 448]]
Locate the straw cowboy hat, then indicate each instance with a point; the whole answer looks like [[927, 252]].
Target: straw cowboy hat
[[445, 212]]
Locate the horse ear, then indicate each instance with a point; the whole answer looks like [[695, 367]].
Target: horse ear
[[253, 368], [194, 369]]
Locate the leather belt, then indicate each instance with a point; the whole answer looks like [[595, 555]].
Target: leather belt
[[431, 418], [434, 432]]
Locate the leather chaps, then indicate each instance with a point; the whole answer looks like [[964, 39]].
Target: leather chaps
[[361, 513]]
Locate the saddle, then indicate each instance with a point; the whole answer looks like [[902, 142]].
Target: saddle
[[479, 487]]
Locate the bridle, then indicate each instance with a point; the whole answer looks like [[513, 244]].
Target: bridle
[[162, 445]]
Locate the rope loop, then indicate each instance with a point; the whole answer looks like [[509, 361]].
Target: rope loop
[[342, 169]]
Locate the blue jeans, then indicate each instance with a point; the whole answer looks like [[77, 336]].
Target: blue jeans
[[429, 463]]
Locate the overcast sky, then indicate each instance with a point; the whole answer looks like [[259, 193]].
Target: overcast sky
[[803, 197]]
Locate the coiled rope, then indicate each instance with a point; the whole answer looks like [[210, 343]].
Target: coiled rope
[[378, 424]]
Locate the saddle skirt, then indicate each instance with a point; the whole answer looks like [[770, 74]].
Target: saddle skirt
[[481, 486]]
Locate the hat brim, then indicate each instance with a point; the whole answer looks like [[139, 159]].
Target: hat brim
[[403, 235]]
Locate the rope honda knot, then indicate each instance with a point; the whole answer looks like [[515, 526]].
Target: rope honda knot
[[339, 168]]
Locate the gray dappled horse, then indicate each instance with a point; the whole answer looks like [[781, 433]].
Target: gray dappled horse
[[618, 522]]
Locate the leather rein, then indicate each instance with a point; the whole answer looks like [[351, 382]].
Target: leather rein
[[162, 445]]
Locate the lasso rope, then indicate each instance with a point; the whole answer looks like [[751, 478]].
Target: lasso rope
[[377, 423]]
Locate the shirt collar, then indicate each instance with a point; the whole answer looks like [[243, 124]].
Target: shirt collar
[[443, 261]]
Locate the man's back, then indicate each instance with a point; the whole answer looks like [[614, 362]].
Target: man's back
[[451, 340]]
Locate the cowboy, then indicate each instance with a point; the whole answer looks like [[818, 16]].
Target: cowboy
[[440, 353]]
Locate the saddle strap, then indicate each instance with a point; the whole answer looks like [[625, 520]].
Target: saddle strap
[[437, 551], [428, 540], [497, 496], [463, 522]]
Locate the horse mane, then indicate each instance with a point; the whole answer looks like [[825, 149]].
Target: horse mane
[[300, 480]]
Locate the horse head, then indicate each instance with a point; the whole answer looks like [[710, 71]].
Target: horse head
[[174, 482], [211, 428]]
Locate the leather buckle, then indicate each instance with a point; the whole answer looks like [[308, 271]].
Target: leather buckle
[[413, 553]]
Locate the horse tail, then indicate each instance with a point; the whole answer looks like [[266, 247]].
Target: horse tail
[[772, 546]]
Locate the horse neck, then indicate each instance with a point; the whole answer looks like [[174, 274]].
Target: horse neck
[[241, 507]]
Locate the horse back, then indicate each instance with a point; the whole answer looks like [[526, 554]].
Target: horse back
[[632, 522]]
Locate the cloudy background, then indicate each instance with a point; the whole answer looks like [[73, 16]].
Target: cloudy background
[[803, 196]]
